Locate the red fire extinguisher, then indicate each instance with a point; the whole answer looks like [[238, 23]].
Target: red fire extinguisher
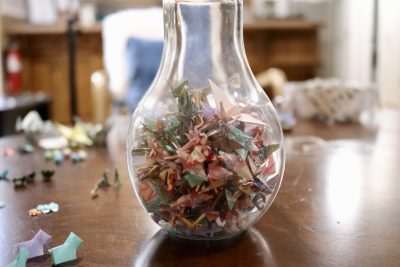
[[14, 69]]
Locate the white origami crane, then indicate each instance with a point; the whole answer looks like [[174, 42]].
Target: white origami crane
[[229, 110]]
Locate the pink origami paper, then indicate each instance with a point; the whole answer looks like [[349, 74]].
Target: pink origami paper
[[228, 109]]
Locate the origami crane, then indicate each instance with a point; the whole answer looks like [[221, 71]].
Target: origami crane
[[31, 123], [76, 135], [33, 126], [35, 245], [228, 109], [67, 251], [21, 259]]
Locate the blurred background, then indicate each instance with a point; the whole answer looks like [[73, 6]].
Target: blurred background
[[326, 60]]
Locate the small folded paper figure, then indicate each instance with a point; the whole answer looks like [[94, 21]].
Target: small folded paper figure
[[35, 245], [26, 149], [46, 208], [4, 175], [76, 135], [31, 177], [20, 182], [34, 212], [8, 152], [47, 174], [67, 251], [21, 259]]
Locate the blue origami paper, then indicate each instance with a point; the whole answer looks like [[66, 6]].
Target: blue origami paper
[[46, 208], [58, 157], [21, 259], [26, 149], [67, 251], [4, 175], [75, 157], [35, 245]]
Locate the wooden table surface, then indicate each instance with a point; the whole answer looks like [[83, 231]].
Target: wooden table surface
[[338, 206]]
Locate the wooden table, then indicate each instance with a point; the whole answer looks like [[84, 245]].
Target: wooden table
[[338, 206]]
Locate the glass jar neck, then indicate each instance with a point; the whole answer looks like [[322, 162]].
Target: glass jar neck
[[201, 34]]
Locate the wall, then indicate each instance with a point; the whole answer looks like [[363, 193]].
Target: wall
[[107, 6], [345, 36], [389, 52], [322, 12], [353, 45], [353, 40], [13, 8]]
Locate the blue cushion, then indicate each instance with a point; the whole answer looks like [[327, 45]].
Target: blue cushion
[[143, 59]]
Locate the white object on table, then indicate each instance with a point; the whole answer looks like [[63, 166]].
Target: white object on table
[[330, 99]]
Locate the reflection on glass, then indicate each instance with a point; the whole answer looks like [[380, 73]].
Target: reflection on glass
[[251, 249]]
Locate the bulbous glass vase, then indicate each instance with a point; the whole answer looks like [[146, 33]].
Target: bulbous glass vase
[[205, 147]]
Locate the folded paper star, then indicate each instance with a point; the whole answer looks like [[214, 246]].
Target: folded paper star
[[35, 245], [67, 251], [21, 259]]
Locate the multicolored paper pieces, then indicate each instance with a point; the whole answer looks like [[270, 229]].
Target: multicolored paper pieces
[[205, 166], [195, 180]]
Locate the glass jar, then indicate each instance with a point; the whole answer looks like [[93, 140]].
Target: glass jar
[[204, 149]]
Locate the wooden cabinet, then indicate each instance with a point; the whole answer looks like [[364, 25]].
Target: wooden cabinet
[[45, 68], [291, 45]]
